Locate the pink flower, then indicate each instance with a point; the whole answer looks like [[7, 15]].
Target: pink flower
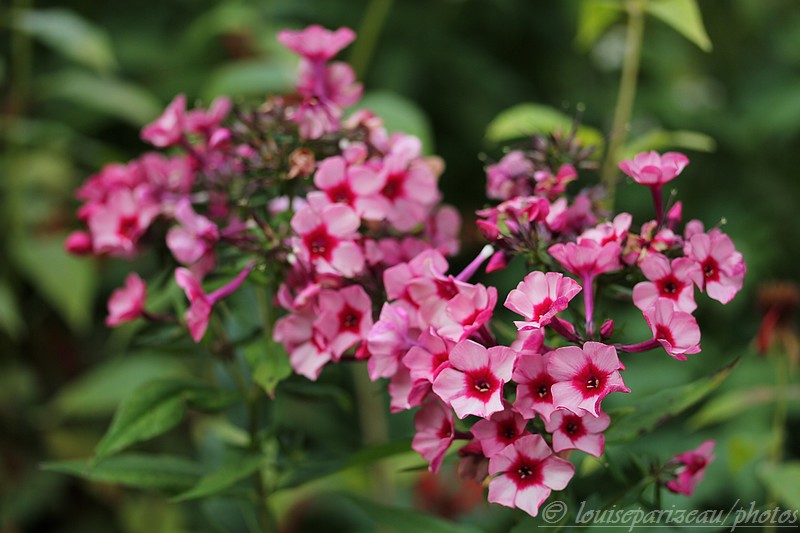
[[672, 282], [205, 122], [584, 376], [692, 468], [78, 243], [327, 239], [528, 473], [652, 169], [308, 353], [465, 313], [200, 303], [499, 431], [616, 231], [334, 84], [356, 186], [435, 432], [316, 43], [428, 357], [553, 186], [540, 297], [578, 432], [192, 243], [587, 258], [345, 318], [167, 130], [405, 392], [473, 385], [723, 267], [117, 225], [442, 229], [510, 177], [647, 242], [388, 341], [127, 303], [675, 330], [534, 383]]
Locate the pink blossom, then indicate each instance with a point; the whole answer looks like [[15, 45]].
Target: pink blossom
[[127, 303], [355, 186], [406, 392], [167, 130], [473, 384], [578, 432], [499, 431], [345, 318], [465, 313], [534, 383], [510, 177], [652, 169], [206, 121], [316, 43], [308, 352], [540, 297], [334, 83], [584, 376], [388, 341], [200, 303], [428, 356], [117, 225], [647, 242], [78, 243], [552, 186], [528, 473], [692, 468], [442, 229], [515, 217], [616, 231], [316, 117], [676, 331], [723, 267], [327, 239], [587, 258], [192, 243], [673, 282], [435, 431]]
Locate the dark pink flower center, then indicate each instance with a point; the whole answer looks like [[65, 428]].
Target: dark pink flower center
[[542, 308], [525, 472], [710, 269], [590, 381], [664, 333], [669, 287], [320, 243], [481, 384], [349, 319], [540, 389], [394, 186], [445, 288], [341, 193], [573, 426], [128, 226], [445, 431], [507, 431]]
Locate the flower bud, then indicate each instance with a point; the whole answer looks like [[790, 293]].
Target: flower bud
[[607, 329], [79, 243]]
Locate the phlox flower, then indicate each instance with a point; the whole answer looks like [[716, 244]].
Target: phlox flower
[[672, 281], [692, 468], [509, 177], [428, 356], [722, 266], [497, 432], [308, 351], [578, 432], [534, 383], [345, 318], [117, 225], [326, 239], [654, 170], [540, 297], [167, 130], [388, 341], [552, 186], [587, 258], [435, 431], [127, 302], [356, 186], [584, 376], [316, 43], [192, 242], [676, 331], [528, 472], [614, 231], [473, 384], [465, 313]]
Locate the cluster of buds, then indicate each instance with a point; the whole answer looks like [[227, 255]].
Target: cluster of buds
[[525, 407]]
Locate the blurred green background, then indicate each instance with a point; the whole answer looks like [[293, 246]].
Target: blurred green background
[[81, 77]]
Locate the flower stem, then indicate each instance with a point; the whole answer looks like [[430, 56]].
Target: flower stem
[[658, 202], [625, 98], [588, 304], [368, 33]]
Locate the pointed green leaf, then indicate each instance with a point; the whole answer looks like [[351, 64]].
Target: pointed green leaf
[[269, 363], [653, 410], [163, 472], [732, 404], [527, 119], [661, 140], [594, 18], [151, 410], [68, 34], [399, 114], [236, 468], [684, 17]]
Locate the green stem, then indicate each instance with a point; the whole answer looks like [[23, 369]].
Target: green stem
[[374, 426], [368, 33], [625, 98]]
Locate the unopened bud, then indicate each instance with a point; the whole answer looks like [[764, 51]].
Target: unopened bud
[[498, 261], [78, 243], [607, 329], [301, 163]]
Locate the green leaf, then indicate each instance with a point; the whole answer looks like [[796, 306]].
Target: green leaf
[[732, 404], [68, 283], [68, 34], [10, 315], [236, 468], [161, 472], [594, 18], [107, 94], [684, 17], [151, 410], [401, 520], [527, 119], [781, 480], [661, 140], [99, 391], [269, 363], [649, 412], [399, 114], [250, 78]]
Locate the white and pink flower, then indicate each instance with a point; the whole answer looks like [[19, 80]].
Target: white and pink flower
[[127, 302], [540, 297], [578, 432], [499, 431], [435, 431], [672, 281]]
